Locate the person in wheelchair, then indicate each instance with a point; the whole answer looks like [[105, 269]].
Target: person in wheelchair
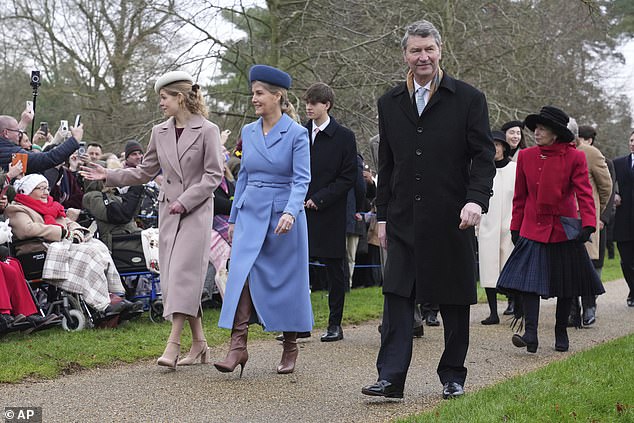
[[18, 310], [75, 262], [113, 211]]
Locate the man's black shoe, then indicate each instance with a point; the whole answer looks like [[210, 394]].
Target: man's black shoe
[[630, 302], [510, 308], [432, 320], [418, 332], [382, 388], [280, 337], [452, 390], [334, 333]]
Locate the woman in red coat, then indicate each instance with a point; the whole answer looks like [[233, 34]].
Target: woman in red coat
[[549, 258]]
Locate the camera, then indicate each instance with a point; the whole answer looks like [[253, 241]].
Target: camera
[[82, 148], [44, 127], [63, 124], [35, 79]]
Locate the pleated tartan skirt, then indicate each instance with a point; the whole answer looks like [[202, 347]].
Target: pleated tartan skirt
[[561, 269]]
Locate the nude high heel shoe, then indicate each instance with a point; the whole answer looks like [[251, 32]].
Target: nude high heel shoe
[[199, 350], [170, 355]]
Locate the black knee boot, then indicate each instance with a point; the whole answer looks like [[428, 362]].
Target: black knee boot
[[493, 318], [561, 323], [574, 313], [530, 304]]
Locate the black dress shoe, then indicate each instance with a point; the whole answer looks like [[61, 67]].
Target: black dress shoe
[[382, 388], [431, 320], [452, 390], [491, 320], [280, 337], [418, 332], [510, 308], [334, 333], [630, 302], [589, 316]]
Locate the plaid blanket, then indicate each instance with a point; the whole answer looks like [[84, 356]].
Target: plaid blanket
[[85, 269]]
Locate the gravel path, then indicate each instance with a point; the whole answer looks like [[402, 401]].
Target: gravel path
[[326, 385]]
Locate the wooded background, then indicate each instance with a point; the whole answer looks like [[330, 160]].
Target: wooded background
[[100, 58]]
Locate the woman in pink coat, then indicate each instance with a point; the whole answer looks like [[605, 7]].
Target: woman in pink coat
[[549, 258], [186, 148]]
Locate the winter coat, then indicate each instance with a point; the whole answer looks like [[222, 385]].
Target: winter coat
[[547, 228], [273, 179], [601, 183], [430, 166], [494, 231], [333, 170], [624, 218], [192, 169]]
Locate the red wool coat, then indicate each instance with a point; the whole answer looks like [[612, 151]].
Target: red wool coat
[[547, 228]]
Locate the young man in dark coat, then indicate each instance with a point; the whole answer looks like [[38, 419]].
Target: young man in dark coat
[[436, 172], [333, 169], [624, 218]]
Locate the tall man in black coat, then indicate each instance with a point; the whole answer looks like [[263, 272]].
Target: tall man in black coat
[[624, 218], [333, 169], [436, 172]]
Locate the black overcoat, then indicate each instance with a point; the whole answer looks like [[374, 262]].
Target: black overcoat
[[333, 170], [624, 218], [430, 166]]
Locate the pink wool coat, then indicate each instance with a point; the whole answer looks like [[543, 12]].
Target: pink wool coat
[[192, 169]]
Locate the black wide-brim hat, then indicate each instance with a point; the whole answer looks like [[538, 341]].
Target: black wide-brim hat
[[501, 137], [553, 118]]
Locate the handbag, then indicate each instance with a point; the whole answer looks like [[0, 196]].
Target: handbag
[[572, 227]]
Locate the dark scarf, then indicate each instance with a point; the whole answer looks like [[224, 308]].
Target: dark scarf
[[501, 163], [49, 210], [551, 180]]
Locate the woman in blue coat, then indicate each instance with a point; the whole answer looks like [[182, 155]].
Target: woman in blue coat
[[268, 275]]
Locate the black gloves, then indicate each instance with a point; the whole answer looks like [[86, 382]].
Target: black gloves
[[584, 234], [515, 236]]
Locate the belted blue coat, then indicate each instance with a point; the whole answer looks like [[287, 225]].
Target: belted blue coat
[[273, 179]]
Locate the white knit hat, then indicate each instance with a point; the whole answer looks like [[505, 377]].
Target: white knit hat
[[27, 184]]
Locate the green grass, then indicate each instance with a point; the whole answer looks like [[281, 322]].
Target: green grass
[[50, 353], [591, 386]]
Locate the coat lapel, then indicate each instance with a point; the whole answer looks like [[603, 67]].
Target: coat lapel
[[258, 140], [167, 143], [279, 130], [406, 103], [190, 135]]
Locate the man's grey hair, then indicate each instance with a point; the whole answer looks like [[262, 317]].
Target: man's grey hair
[[421, 29]]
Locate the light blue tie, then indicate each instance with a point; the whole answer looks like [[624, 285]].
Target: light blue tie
[[420, 99]]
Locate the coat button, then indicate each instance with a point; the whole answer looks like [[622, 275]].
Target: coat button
[[419, 152], [418, 177], [419, 130], [417, 197]]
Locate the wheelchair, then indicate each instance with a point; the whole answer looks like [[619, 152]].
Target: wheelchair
[[76, 313], [139, 282]]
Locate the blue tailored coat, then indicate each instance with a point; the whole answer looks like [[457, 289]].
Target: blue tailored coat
[[273, 179]]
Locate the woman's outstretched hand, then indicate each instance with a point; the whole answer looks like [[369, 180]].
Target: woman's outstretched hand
[[93, 172]]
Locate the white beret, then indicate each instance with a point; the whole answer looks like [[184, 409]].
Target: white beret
[[27, 184], [173, 76]]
